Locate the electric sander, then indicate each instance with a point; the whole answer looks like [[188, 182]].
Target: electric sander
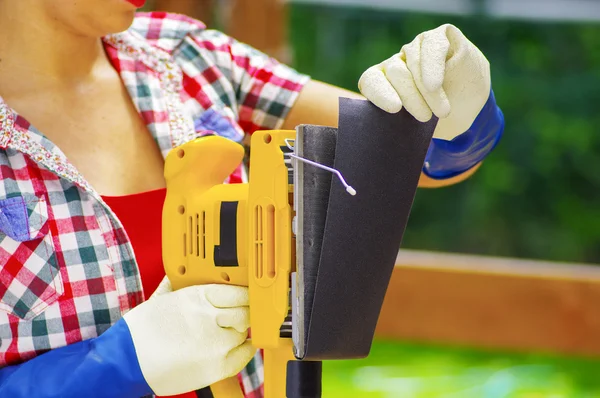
[[314, 234]]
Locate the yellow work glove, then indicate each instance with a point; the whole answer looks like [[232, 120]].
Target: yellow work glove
[[439, 73], [191, 338]]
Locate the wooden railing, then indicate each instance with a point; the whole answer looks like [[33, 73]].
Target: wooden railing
[[202, 10], [495, 303]]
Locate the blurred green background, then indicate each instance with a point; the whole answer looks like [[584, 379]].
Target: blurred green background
[[537, 195], [399, 370]]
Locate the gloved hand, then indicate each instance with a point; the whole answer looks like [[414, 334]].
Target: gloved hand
[[174, 343], [191, 338], [441, 73]]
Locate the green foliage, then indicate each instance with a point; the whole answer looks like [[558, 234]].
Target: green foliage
[[537, 195], [404, 370]]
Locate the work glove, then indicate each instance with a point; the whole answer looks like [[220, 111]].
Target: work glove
[[191, 338], [442, 74], [174, 343]]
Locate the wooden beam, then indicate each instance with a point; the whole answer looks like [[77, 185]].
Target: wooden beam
[[261, 24], [493, 303], [198, 9]]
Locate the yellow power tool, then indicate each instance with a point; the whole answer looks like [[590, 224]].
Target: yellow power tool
[[245, 234], [238, 234]]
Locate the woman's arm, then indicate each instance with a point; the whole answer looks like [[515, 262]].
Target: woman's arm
[[318, 104], [103, 367], [441, 73], [173, 343]]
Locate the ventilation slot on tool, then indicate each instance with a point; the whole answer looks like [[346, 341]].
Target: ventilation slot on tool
[[203, 234], [194, 240], [191, 235], [181, 210], [258, 241], [270, 242], [197, 235], [264, 242]]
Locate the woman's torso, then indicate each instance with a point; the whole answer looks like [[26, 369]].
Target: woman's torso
[[99, 129], [68, 268]]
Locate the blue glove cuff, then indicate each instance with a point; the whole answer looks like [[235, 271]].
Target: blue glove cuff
[[104, 367], [447, 159]]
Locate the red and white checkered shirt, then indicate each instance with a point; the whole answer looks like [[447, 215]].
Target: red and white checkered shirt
[[68, 271]]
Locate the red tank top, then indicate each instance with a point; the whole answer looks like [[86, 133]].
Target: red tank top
[[141, 215]]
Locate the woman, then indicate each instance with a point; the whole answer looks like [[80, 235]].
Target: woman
[[87, 115]]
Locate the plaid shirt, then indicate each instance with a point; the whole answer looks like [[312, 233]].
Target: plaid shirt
[[68, 271]]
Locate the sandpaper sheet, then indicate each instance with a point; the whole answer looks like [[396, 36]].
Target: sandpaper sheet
[[313, 187], [381, 155]]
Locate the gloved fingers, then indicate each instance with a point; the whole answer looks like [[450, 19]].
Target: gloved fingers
[[163, 288], [375, 86], [227, 296], [230, 338], [240, 356], [403, 82], [235, 318], [434, 52], [460, 46], [425, 59]]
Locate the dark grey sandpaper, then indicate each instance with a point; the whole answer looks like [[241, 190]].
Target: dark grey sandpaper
[[316, 143], [381, 155]]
